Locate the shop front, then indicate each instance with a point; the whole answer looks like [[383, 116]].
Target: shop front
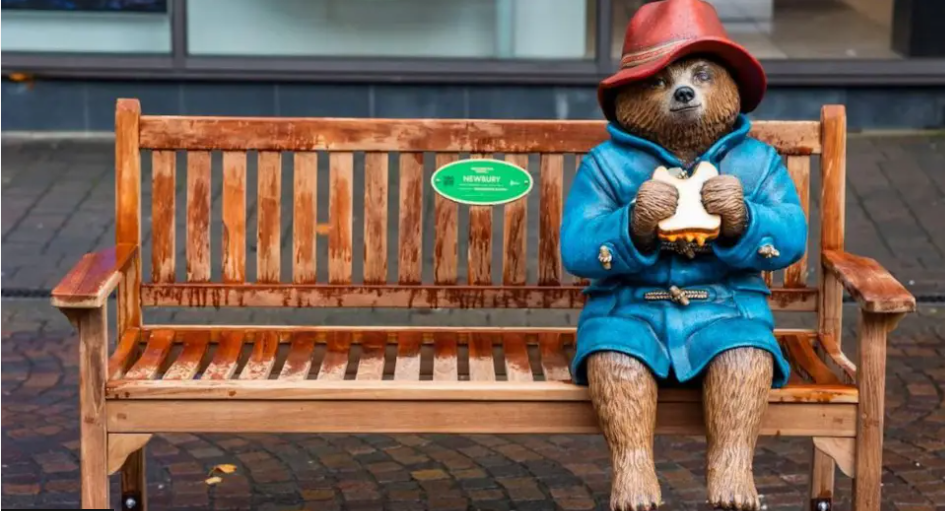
[[447, 58]]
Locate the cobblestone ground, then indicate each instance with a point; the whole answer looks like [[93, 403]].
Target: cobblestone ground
[[58, 204]]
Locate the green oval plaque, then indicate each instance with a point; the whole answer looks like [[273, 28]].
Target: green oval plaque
[[481, 182]]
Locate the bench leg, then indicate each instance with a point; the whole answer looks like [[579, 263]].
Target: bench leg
[[134, 483], [871, 379], [92, 365], [822, 472]]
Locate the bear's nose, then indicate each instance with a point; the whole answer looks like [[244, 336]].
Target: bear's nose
[[684, 94]]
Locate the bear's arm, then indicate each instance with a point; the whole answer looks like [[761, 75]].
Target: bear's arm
[[594, 218], [775, 218]]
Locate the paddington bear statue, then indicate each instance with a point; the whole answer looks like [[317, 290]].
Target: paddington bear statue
[[680, 309]]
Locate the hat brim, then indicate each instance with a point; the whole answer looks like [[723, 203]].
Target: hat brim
[[746, 71]]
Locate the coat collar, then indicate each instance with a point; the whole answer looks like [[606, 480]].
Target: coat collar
[[714, 154]]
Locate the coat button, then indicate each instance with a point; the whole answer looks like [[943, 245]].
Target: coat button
[[605, 257], [768, 251]]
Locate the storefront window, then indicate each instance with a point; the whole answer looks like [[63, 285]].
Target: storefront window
[[470, 29], [86, 26], [795, 29]]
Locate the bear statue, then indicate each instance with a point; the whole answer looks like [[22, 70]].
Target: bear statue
[[680, 310]]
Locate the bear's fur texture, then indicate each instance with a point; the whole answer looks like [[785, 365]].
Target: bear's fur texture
[[622, 389]]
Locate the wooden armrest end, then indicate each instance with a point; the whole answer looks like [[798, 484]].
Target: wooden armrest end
[[874, 288], [93, 278]]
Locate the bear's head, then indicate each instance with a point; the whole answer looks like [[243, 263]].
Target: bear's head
[[685, 108]]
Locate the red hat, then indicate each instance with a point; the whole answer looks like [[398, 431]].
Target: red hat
[[663, 32]]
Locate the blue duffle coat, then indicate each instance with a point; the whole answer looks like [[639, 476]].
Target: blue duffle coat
[[678, 341]]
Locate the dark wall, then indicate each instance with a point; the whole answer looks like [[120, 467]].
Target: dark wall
[[89, 105]]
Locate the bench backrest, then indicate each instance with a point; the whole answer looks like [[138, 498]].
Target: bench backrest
[[417, 146]]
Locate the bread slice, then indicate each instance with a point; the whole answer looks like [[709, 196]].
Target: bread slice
[[691, 222]]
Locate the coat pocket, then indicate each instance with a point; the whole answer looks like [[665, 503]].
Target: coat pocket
[[753, 305]]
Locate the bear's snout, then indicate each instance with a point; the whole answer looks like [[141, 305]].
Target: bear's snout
[[684, 94]]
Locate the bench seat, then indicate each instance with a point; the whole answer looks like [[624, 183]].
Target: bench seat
[[436, 379]]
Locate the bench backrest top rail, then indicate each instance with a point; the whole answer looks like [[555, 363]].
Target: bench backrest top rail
[[277, 177], [418, 135]]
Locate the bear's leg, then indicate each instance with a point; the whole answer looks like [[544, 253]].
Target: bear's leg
[[735, 396], [623, 392]]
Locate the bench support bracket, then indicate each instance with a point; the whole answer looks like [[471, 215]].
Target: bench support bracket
[[121, 445], [842, 450]]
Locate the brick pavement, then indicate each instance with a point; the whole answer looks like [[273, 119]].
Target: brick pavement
[[58, 204]]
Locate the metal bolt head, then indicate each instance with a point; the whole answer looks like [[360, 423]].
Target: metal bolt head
[[131, 503], [823, 505]]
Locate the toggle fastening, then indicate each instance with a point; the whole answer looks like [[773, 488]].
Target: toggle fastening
[[605, 257], [677, 295], [768, 251]]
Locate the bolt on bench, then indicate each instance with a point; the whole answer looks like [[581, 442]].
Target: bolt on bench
[[401, 378]]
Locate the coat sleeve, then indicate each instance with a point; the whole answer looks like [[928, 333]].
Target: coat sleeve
[[594, 218], [775, 218]]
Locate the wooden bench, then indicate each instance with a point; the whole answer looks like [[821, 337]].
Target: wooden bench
[[401, 378]]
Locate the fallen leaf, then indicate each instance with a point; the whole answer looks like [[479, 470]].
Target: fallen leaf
[[226, 468], [322, 229], [20, 77], [213, 480]]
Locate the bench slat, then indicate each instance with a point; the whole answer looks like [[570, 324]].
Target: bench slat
[[479, 261], [260, 362], [372, 416], [373, 351], [578, 281], [501, 136], [554, 363], [234, 217], [481, 362], [198, 216], [304, 216], [394, 390], [268, 222], [124, 353], [188, 362], [795, 276], [410, 234], [376, 179], [552, 192], [226, 358], [159, 345], [514, 257], [517, 365], [341, 172], [444, 356], [163, 235], [417, 297], [299, 362], [445, 249], [335, 363], [408, 356]]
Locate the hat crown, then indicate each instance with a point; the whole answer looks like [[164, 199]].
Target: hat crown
[[667, 21]]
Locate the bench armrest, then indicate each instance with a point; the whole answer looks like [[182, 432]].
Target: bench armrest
[[869, 283], [93, 278]]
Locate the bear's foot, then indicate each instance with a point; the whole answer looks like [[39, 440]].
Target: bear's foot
[[733, 490], [635, 490]]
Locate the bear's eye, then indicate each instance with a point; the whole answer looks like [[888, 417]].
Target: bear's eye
[[702, 75], [657, 82]]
